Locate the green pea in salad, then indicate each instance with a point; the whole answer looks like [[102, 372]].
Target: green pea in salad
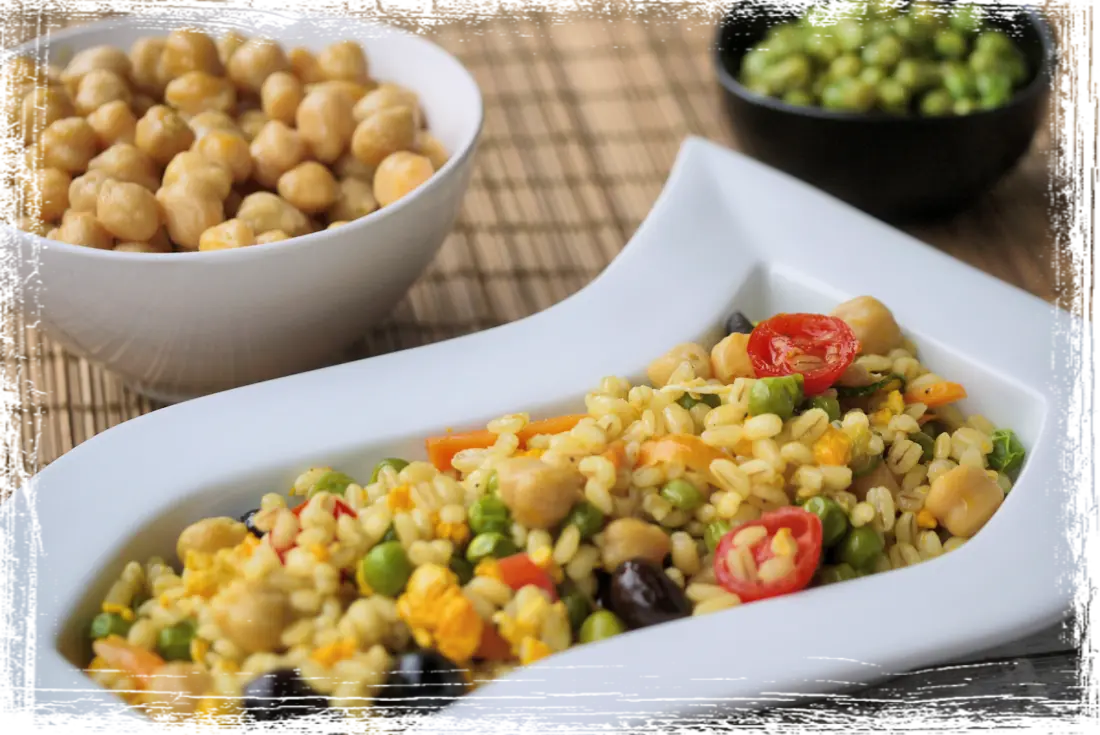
[[803, 450], [929, 59]]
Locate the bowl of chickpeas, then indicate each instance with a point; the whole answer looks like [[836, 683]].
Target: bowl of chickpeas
[[212, 201], [906, 110]]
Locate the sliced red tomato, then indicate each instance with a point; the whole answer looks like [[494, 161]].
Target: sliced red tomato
[[343, 510], [819, 347], [804, 526], [517, 571]]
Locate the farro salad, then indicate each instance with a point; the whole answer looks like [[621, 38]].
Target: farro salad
[[803, 450]]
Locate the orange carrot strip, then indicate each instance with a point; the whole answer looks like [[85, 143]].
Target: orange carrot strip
[[615, 454], [937, 394], [442, 449], [690, 450], [118, 653], [926, 418]]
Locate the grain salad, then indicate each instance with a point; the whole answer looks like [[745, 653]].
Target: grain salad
[[803, 450]]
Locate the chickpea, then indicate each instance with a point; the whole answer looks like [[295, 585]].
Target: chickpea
[[187, 49], [209, 535], [188, 212], [281, 94], [325, 124], [20, 70], [538, 494], [304, 66], [386, 131], [158, 243], [398, 174], [84, 190], [97, 88], [255, 61], [429, 146], [730, 358], [82, 228], [161, 133], [41, 107], [275, 150], [271, 236], [33, 225], [385, 97], [10, 158], [49, 188], [251, 123], [145, 56], [631, 538], [228, 45], [12, 205], [337, 223], [353, 91], [206, 122], [176, 687], [68, 144], [661, 369], [872, 323], [228, 235], [113, 123], [229, 150], [126, 162], [201, 173], [963, 500], [343, 60], [97, 57], [128, 211], [309, 186], [264, 211], [350, 167], [252, 615], [197, 91], [354, 199]]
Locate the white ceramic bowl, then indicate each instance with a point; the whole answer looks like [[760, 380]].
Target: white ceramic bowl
[[179, 325], [727, 221]]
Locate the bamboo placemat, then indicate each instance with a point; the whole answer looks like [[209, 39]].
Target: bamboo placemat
[[584, 116]]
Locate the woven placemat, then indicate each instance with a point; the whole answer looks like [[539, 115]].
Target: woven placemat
[[584, 116]]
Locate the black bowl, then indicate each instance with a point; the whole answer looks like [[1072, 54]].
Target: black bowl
[[895, 168]]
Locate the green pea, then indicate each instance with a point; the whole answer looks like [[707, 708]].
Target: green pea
[[793, 72], [682, 495], [949, 44], [822, 47], [860, 548], [386, 568], [600, 625], [331, 482], [489, 513], [936, 103], [850, 34], [844, 67], [994, 89], [872, 74], [994, 42], [1008, 453], [986, 62], [916, 75], [885, 52], [462, 569], [587, 518], [755, 62], [492, 485], [577, 604], [879, 28], [687, 400], [958, 80], [713, 533], [834, 521], [911, 30], [829, 405], [884, 9], [836, 573], [1016, 68], [493, 544], [106, 624], [799, 98], [966, 19], [849, 95], [927, 443], [395, 463], [784, 39], [776, 395], [964, 107], [894, 97], [926, 13], [174, 642]]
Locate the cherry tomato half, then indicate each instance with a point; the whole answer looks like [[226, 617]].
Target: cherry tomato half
[[806, 529], [517, 571], [818, 346]]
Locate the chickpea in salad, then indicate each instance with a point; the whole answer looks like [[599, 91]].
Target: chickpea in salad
[[803, 450]]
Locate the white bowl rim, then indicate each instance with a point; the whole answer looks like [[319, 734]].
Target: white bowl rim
[[273, 248]]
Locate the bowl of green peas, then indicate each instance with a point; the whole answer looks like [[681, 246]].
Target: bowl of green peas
[[906, 110]]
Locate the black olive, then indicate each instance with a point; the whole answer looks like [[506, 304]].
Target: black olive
[[641, 595], [248, 520], [280, 695], [603, 588], [738, 322], [423, 681]]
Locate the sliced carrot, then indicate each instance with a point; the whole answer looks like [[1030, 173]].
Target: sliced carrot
[[616, 454], [442, 449], [687, 449], [937, 394], [118, 653], [493, 647]]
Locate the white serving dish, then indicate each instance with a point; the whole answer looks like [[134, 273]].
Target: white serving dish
[[726, 232], [179, 325]]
